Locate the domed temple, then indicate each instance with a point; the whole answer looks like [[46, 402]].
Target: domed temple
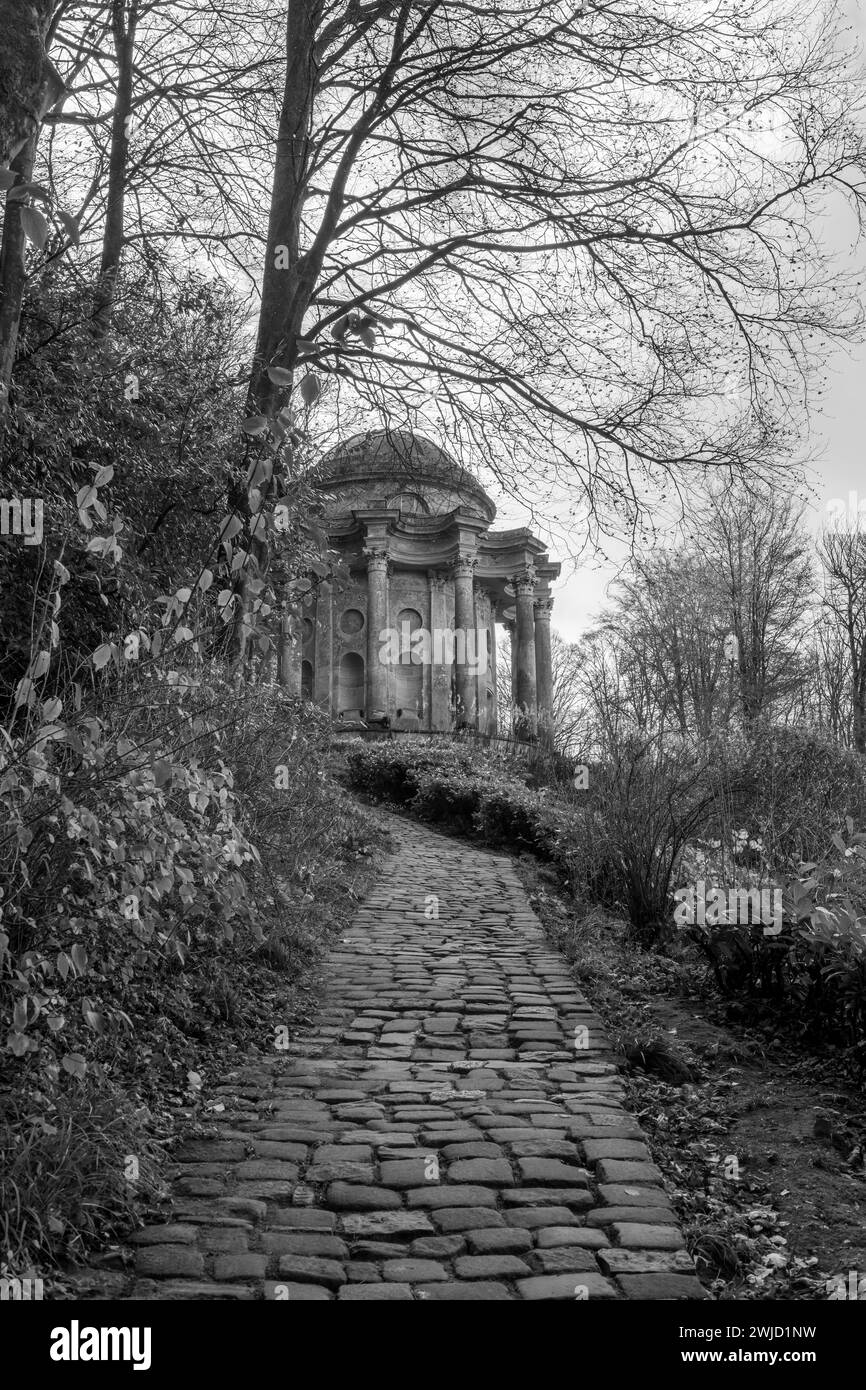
[[410, 638]]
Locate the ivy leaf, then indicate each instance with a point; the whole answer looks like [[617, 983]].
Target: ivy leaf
[[280, 376], [205, 580], [309, 389], [70, 226], [40, 665], [260, 470], [35, 227], [230, 527], [79, 957], [102, 655], [255, 424], [74, 1063], [29, 190], [162, 771], [7, 179], [24, 693]]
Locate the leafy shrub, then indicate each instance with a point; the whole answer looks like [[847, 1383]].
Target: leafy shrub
[[624, 842], [815, 968], [467, 790], [791, 787], [513, 815], [391, 768], [150, 861], [450, 796]]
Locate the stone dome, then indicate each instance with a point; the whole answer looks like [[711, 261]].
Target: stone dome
[[392, 461]]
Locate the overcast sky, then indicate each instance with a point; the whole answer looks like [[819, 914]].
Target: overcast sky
[[833, 451]]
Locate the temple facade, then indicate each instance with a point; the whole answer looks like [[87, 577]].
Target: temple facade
[[409, 636]]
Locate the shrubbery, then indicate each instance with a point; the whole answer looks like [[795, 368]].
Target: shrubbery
[[815, 967], [634, 835], [177, 847], [463, 789], [791, 787]]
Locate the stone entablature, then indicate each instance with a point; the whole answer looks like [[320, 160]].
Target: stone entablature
[[413, 530]]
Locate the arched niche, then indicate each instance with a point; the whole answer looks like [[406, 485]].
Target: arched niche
[[351, 687]]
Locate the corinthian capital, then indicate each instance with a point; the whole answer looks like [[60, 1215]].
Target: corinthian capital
[[463, 565], [377, 559], [525, 583], [543, 609]]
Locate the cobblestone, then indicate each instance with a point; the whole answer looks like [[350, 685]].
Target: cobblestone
[[430, 1135]]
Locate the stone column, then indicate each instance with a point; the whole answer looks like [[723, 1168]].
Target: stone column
[[440, 672], [525, 695], [484, 673], [377, 620], [323, 674], [289, 652], [464, 621], [511, 629], [493, 726], [544, 666], [284, 652]]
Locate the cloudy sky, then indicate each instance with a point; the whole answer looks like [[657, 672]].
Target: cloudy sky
[[833, 446]]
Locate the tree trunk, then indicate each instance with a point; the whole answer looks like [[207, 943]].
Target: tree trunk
[[124, 18], [13, 274], [282, 308], [29, 82]]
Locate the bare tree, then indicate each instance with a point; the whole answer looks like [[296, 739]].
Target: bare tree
[[765, 567], [844, 556], [671, 615], [561, 227]]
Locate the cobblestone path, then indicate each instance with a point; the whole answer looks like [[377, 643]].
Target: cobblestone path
[[452, 1128]]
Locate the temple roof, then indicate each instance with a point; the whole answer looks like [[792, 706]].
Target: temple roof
[[394, 452], [402, 457]]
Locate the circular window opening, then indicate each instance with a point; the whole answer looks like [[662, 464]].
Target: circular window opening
[[352, 621], [410, 502], [410, 616]]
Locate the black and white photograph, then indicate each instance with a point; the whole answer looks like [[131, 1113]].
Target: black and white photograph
[[432, 681]]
